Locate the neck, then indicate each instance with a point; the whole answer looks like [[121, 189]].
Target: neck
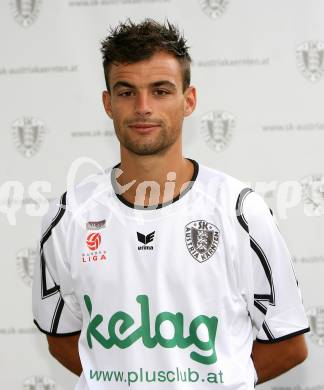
[[153, 179]]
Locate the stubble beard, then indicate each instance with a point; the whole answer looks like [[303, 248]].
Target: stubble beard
[[156, 145]]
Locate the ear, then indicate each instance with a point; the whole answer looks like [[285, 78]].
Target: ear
[[190, 100], [106, 99]]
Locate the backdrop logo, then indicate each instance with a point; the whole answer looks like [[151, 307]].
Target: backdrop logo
[[217, 128], [313, 194], [39, 383], [214, 8], [310, 60], [93, 241], [25, 264], [25, 11], [316, 321], [28, 135]]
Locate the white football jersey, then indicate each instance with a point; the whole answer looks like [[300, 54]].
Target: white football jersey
[[172, 295]]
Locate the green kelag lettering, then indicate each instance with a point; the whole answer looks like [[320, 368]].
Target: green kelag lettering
[[177, 322], [148, 341], [126, 324], [92, 327], [113, 340], [178, 340], [211, 324]]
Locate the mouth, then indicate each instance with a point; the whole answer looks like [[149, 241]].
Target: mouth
[[144, 128]]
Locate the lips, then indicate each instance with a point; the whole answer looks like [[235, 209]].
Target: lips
[[144, 127]]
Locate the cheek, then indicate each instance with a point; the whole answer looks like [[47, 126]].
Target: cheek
[[119, 113], [177, 114], [175, 110]]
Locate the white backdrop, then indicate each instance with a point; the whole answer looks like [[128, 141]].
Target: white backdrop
[[259, 70]]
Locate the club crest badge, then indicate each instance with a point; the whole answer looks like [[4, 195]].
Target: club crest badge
[[316, 321], [201, 239], [214, 8], [25, 11], [28, 135], [310, 60], [313, 194], [217, 128], [25, 264]]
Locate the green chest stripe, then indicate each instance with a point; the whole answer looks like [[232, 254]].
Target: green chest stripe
[[150, 341]]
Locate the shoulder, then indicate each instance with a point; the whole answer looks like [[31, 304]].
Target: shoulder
[[54, 214], [231, 194], [227, 189], [78, 199], [89, 190]]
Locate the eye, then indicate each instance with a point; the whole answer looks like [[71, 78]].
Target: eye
[[161, 92], [126, 93]]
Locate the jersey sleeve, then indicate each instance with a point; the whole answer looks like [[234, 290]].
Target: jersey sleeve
[[55, 308], [277, 311]]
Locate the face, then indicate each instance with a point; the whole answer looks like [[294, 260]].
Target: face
[[147, 103]]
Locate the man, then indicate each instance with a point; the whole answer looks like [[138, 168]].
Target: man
[[166, 267]]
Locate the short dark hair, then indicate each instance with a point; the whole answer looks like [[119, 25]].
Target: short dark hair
[[130, 43]]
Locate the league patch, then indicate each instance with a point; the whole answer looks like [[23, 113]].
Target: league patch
[[93, 241]]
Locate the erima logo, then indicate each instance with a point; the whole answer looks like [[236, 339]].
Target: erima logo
[[145, 239], [122, 331]]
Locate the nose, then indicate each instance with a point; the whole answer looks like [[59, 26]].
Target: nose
[[143, 104]]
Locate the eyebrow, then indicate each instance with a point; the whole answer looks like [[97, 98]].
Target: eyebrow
[[159, 83]]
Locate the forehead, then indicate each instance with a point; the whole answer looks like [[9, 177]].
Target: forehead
[[161, 66]]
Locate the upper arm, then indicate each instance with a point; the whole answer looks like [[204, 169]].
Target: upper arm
[[277, 311], [53, 309], [293, 348], [273, 359], [65, 350], [62, 344]]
